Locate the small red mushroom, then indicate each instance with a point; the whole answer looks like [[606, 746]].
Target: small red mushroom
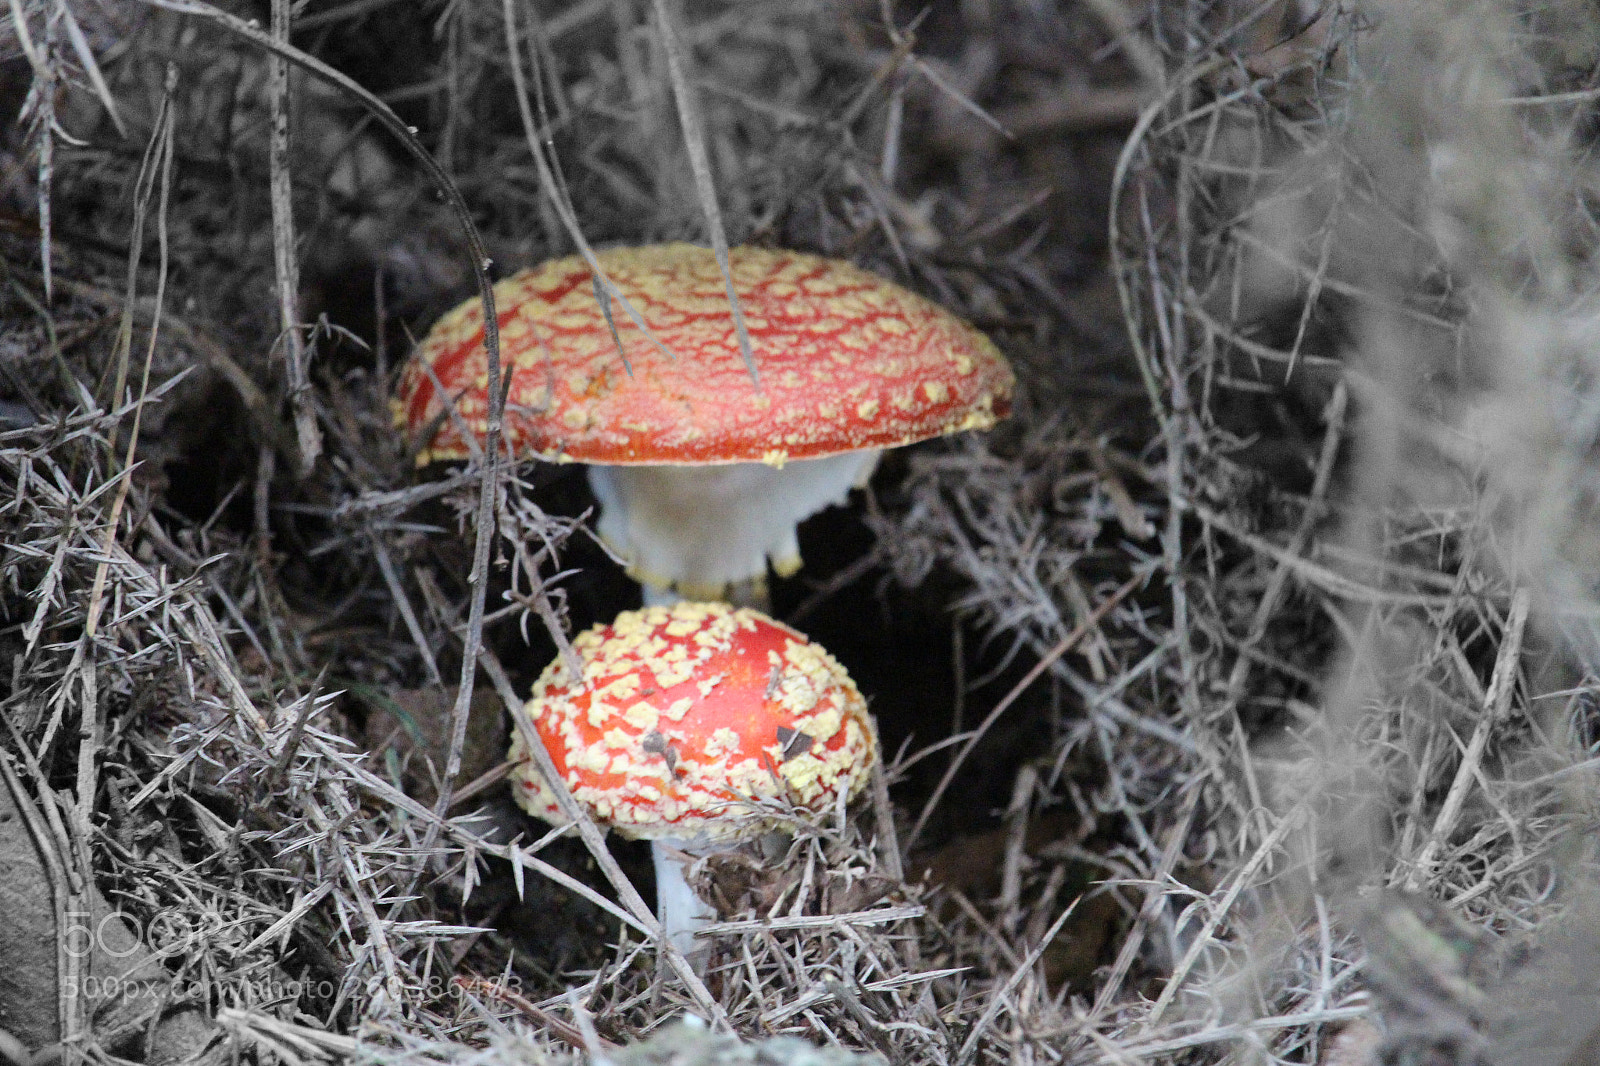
[[685, 720], [702, 475]]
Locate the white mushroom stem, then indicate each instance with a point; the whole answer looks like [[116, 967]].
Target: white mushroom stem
[[678, 908], [699, 529]]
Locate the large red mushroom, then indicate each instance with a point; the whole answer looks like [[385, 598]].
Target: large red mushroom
[[703, 472], [695, 726]]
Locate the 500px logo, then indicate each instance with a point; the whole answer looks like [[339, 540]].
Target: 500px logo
[[119, 935]]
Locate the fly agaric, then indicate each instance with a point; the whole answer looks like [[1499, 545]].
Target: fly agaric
[[702, 472], [686, 718]]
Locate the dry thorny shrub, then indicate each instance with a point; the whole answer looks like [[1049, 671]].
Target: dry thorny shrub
[[1273, 609]]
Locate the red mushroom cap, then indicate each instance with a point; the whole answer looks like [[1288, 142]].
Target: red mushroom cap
[[685, 714], [847, 361]]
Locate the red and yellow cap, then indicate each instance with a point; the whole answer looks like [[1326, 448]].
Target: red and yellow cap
[[685, 714], [847, 361]]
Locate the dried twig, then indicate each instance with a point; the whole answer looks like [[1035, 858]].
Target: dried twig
[[285, 253], [1496, 705], [694, 141]]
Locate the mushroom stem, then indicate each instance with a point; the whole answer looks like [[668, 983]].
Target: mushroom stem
[[699, 529], [678, 908]]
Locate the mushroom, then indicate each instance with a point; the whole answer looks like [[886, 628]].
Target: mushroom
[[701, 470], [685, 720]]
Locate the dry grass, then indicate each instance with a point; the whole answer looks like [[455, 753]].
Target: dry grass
[[1272, 610]]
